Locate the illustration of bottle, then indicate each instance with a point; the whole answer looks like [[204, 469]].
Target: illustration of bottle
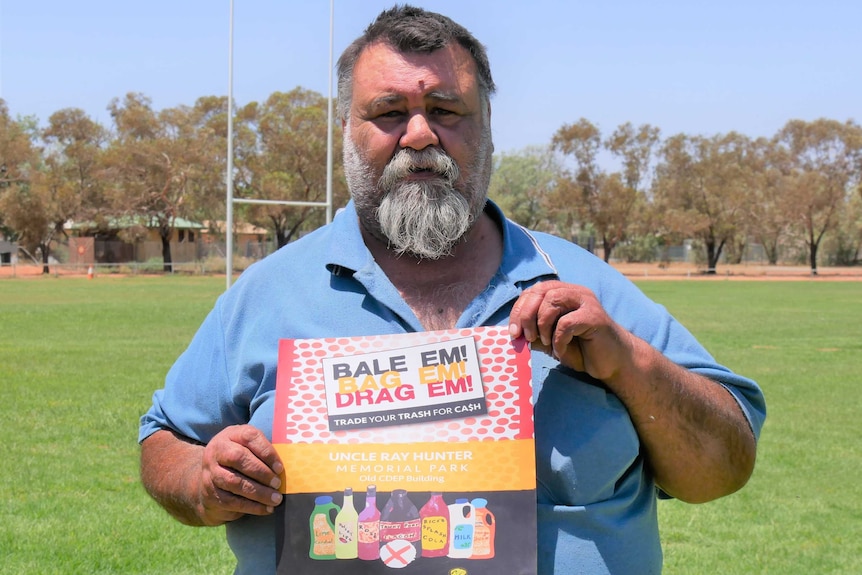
[[435, 526], [322, 528], [484, 530], [400, 520], [346, 527], [461, 526], [369, 527]]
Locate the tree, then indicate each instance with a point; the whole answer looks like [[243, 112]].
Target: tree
[[636, 149], [287, 161], [605, 201], [74, 144], [568, 203], [62, 185], [153, 164], [825, 163], [703, 186], [768, 213], [846, 241], [521, 183], [17, 156], [19, 161], [208, 130], [610, 210]]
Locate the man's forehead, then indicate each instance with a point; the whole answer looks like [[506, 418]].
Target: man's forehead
[[381, 67]]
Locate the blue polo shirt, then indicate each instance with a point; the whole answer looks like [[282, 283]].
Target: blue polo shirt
[[596, 497]]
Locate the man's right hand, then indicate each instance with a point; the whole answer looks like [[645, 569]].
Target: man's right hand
[[235, 474], [239, 475]]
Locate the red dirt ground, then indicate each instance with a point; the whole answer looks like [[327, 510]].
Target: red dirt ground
[[650, 271]]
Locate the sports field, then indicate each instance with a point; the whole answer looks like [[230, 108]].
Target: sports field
[[80, 358]]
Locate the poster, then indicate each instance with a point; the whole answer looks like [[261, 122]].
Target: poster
[[411, 452]]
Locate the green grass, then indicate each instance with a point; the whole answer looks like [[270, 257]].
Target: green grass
[[802, 510], [78, 364], [80, 358]]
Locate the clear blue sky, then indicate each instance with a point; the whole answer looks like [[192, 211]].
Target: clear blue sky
[[682, 65]]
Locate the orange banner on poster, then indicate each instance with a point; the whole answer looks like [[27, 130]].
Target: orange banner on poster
[[473, 466]]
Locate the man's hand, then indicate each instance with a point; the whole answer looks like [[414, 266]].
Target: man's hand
[[568, 322], [239, 475], [695, 436], [235, 474]]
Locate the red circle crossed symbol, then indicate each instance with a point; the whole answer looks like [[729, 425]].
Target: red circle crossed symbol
[[398, 553]]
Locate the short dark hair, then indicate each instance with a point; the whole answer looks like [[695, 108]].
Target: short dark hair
[[410, 29]]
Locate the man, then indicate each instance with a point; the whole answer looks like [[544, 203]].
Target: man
[[627, 403]]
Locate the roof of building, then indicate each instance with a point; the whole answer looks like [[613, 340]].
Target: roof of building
[[124, 222]]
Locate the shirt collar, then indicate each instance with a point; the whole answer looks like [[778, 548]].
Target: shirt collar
[[346, 252], [524, 260]]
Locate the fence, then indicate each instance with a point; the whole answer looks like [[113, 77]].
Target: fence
[[86, 255], [208, 257]]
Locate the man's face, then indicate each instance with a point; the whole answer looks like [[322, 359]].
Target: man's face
[[417, 150]]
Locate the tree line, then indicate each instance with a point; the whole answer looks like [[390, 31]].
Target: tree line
[[154, 166], [789, 193]]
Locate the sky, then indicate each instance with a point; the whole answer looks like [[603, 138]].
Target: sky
[[685, 66]]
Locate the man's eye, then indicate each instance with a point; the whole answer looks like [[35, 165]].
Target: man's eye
[[441, 112], [390, 114]]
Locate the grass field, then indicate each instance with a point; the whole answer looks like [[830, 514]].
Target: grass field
[[80, 359]]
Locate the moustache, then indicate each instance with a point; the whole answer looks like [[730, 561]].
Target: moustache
[[409, 161]]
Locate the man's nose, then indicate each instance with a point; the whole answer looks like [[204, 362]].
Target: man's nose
[[418, 134]]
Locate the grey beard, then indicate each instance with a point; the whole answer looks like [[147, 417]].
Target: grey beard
[[424, 219]]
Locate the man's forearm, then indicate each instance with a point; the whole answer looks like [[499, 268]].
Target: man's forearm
[[170, 466], [697, 440]]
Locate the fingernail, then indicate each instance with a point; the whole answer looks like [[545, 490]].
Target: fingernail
[[275, 483], [276, 498], [278, 468], [513, 329]]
